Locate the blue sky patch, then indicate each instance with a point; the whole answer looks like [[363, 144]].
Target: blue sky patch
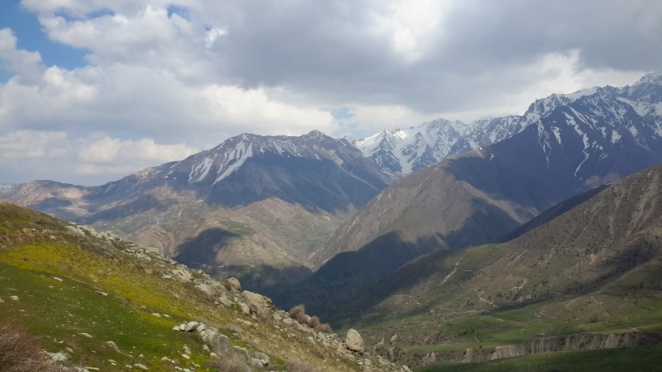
[[31, 37]]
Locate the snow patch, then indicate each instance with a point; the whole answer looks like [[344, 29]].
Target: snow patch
[[201, 170]]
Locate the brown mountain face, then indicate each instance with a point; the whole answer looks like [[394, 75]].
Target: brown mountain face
[[595, 268], [617, 231]]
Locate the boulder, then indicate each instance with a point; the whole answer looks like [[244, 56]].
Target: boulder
[[354, 341], [258, 304], [225, 301], [245, 309], [191, 326], [262, 358], [232, 285]]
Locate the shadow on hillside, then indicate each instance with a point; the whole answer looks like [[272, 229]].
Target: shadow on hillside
[[201, 250], [139, 205], [348, 272], [262, 279]]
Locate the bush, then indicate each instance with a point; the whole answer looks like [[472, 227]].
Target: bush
[[326, 328], [314, 322], [297, 311], [20, 351]]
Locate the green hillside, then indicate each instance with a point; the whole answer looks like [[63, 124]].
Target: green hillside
[[104, 303]]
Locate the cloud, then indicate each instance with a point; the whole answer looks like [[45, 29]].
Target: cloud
[[90, 160], [193, 72]]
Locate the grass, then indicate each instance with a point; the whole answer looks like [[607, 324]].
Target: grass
[[76, 293], [632, 360]]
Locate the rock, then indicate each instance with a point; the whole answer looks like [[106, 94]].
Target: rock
[[242, 354], [112, 346], [183, 274], [59, 356], [191, 326], [225, 301], [141, 366], [187, 350], [288, 321], [74, 230], [206, 288], [232, 285], [13, 298], [177, 328], [245, 309], [262, 357], [354, 341], [258, 304], [85, 335]]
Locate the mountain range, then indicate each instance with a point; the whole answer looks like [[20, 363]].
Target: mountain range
[[579, 142], [272, 208], [401, 234]]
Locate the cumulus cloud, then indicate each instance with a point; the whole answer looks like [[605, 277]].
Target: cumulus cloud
[[186, 74]]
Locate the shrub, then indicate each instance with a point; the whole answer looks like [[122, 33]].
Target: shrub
[[297, 311], [325, 327], [314, 322], [20, 351]]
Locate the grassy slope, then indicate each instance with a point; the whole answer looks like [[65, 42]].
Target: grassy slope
[[68, 285]]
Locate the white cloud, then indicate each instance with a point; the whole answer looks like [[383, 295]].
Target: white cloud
[[410, 24], [94, 159], [189, 78]]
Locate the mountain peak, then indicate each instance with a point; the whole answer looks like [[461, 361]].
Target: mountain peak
[[651, 78], [315, 134]]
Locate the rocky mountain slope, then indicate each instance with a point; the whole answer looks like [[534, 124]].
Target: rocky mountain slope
[[96, 302], [578, 143], [595, 268]]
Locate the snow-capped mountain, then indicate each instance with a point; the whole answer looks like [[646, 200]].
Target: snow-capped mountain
[[313, 170], [400, 152], [577, 142]]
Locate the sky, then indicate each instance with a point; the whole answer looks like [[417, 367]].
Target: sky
[[94, 90]]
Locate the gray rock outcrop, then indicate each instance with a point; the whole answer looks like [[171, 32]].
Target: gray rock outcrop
[[354, 341], [257, 303]]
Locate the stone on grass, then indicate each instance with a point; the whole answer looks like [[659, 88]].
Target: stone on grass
[[262, 357], [191, 326], [59, 356], [113, 346], [225, 301]]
